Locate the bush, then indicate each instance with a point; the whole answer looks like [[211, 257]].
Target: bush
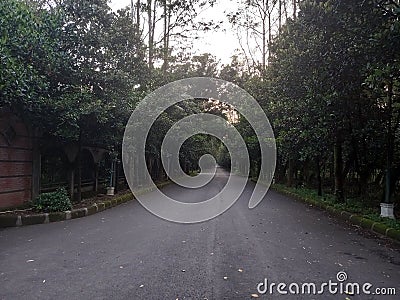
[[53, 202]]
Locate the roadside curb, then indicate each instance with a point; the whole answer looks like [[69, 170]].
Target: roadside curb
[[43, 218], [355, 219]]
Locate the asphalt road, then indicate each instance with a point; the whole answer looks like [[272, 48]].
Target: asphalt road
[[127, 253]]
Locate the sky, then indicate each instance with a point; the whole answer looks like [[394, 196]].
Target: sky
[[221, 44]]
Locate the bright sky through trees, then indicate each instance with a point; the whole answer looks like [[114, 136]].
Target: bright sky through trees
[[221, 43]]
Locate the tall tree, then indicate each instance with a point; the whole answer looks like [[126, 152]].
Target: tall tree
[[322, 54], [256, 23]]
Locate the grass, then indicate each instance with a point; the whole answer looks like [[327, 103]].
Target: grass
[[351, 205]]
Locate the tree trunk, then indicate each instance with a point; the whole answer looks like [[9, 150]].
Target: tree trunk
[[269, 33], [338, 169], [362, 183], [151, 33], [165, 38], [96, 177], [390, 144], [150, 166], [294, 9], [71, 180], [133, 12], [285, 9], [280, 15], [290, 173], [78, 197], [280, 174], [138, 18], [264, 50], [116, 176], [319, 179], [79, 170]]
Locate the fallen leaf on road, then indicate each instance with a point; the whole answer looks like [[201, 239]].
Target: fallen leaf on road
[[183, 270], [240, 270], [254, 296], [30, 260], [225, 278], [141, 286], [44, 280], [121, 267]]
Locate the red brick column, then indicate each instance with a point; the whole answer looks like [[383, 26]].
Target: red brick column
[[15, 161]]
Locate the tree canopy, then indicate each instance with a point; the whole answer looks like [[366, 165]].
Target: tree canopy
[[327, 76]]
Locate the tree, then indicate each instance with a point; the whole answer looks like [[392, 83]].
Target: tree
[[70, 70], [257, 22], [168, 25], [384, 84], [30, 57], [322, 55]]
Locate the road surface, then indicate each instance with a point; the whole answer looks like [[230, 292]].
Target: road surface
[[127, 253]]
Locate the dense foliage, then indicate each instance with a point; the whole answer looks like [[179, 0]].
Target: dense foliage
[[329, 81], [53, 202], [331, 90]]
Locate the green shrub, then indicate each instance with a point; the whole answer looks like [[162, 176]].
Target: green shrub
[[53, 202], [353, 206]]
